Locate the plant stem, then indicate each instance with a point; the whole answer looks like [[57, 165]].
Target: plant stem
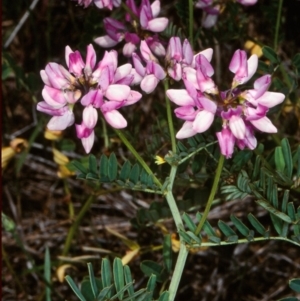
[[183, 252], [278, 24], [212, 194], [180, 263], [169, 116], [191, 22], [76, 223], [171, 201], [105, 136], [137, 156], [244, 240]]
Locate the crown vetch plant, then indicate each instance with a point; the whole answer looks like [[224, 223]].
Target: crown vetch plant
[[233, 115], [103, 87]]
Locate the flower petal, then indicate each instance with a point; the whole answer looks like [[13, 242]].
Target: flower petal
[[264, 124], [180, 96], [117, 92], [203, 121], [115, 119], [186, 131]]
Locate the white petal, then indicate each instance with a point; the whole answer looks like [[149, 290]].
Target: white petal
[[203, 121], [115, 119], [271, 99], [106, 41], [264, 124], [60, 123], [181, 97], [149, 83], [158, 24], [117, 92], [186, 131], [237, 127]]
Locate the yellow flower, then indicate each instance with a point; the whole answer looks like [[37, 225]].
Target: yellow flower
[[253, 48], [62, 160], [159, 160], [7, 153]]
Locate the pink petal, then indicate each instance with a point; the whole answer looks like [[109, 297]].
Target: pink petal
[[106, 41], [115, 119], [181, 97], [117, 92], [149, 83], [265, 125], [209, 21], [158, 24], [139, 68], [133, 97], [186, 131], [271, 99], [128, 49], [237, 127], [54, 97], [90, 59], [60, 123], [155, 8], [68, 51], [226, 142], [187, 113], [122, 71], [88, 142], [203, 121], [94, 97], [187, 52], [89, 117]]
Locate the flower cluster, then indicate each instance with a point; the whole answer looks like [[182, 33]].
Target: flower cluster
[[179, 59], [100, 3], [212, 10], [100, 87], [241, 111], [142, 20]]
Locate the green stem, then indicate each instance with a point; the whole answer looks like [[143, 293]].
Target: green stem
[[191, 22], [278, 24], [171, 201], [243, 241], [180, 263], [212, 194], [195, 152], [183, 252], [69, 196], [137, 156], [76, 223], [105, 136], [169, 116]]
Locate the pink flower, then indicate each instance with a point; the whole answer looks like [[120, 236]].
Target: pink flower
[[242, 68], [226, 142], [102, 87], [100, 3], [242, 112], [212, 11], [133, 33]]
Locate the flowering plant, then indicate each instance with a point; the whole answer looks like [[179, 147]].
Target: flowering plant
[[181, 131]]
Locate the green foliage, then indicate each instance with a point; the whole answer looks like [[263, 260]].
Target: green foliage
[[173, 31], [116, 283], [108, 171], [270, 184], [47, 274]]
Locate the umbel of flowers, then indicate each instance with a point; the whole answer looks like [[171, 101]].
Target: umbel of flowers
[[242, 111], [142, 21], [96, 87]]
